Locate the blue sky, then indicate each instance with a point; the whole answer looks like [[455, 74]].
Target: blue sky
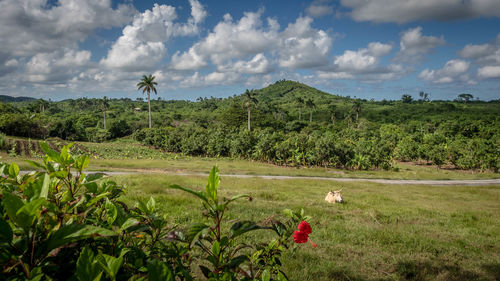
[[360, 48]]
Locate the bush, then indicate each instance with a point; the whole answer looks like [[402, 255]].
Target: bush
[[3, 142], [64, 224]]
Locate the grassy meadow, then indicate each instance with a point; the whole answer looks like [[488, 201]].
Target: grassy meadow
[[381, 232]]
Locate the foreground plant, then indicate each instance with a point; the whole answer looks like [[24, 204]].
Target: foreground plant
[[64, 224]]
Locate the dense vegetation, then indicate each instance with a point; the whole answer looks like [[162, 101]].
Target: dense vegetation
[[63, 224], [291, 124]]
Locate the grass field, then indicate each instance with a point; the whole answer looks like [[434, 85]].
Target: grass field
[[381, 232]]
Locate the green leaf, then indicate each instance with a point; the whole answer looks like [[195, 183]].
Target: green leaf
[[110, 264], [235, 262], [97, 198], [216, 249], [13, 170], [83, 162], [159, 271], [151, 205], [282, 276], [12, 204], [75, 232], [242, 227], [213, 183], [6, 234], [266, 276], [50, 153], [28, 213], [111, 211], [128, 223], [87, 268], [45, 186], [198, 194], [93, 177], [194, 230]]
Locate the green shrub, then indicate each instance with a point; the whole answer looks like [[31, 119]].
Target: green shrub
[[64, 224]]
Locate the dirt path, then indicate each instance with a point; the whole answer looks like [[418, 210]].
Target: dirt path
[[384, 181]]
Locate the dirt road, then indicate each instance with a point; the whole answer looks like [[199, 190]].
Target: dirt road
[[383, 181]]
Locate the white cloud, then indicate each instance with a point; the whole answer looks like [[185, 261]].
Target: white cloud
[[319, 8], [364, 65], [28, 27], [57, 67], [141, 47], [413, 10], [486, 56], [303, 46], [259, 64], [489, 72], [452, 71], [188, 60], [414, 46], [298, 46]]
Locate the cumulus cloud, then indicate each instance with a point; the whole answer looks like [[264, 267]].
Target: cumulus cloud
[[29, 27], [489, 72], [452, 71], [414, 45], [230, 40], [413, 10], [298, 46], [363, 64], [259, 64], [486, 56], [57, 67], [142, 44], [319, 8], [303, 46]]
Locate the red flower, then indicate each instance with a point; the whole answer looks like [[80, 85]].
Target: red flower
[[300, 237], [305, 227]]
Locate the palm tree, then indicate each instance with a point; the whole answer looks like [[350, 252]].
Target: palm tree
[[104, 106], [147, 84], [250, 99], [43, 105], [300, 102], [332, 108], [310, 104], [356, 107]]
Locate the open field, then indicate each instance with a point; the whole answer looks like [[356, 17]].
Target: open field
[[382, 232], [246, 167]]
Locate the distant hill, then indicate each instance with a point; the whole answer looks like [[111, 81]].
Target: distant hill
[[286, 91], [4, 98]]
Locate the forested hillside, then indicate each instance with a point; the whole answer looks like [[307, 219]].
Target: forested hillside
[[290, 124]]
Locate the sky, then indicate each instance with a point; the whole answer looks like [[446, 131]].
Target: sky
[[370, 49]]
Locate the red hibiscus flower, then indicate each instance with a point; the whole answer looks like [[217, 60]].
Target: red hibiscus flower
[[305, 227], [302, 235]]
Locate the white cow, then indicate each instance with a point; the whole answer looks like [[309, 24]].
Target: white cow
[[334, 197]]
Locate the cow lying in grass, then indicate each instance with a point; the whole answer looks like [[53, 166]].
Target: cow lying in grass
[[334, 197]]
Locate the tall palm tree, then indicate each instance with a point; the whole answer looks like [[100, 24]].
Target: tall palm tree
[[147, 85], [104, 107], [332, 108], [310, 104], [300, 102], [356, 107], [249, 100]]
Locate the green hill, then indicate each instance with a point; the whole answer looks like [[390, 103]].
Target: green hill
[[4, 98]]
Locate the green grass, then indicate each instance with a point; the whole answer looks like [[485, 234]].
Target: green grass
[[381, 232], [185, 164]]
